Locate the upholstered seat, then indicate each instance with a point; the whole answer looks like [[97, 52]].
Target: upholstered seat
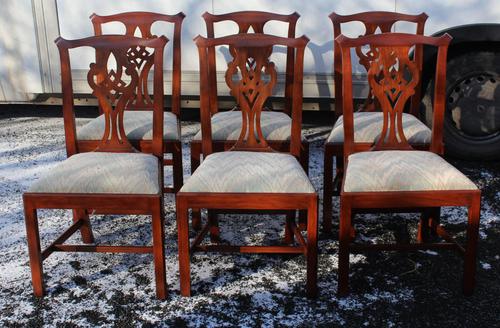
[[138, 126], [275, 126], [368, 126], [402, 171], [99, 172], [242, 171]]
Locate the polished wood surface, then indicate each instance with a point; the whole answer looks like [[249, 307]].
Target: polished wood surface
[[141, 23], [253, 22], [114, 88], [251, 87], [391, 81], [374, 22]]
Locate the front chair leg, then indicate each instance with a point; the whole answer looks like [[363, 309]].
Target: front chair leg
[[183, 245], [312, 249], [34, 250], [86, 228], [158, 222], [469, 279], [344, 240]]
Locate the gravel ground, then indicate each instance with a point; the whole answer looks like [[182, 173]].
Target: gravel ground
[[417, 289]]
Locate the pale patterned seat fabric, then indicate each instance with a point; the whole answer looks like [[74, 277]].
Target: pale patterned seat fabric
[[275, 126], [395, 170], [138, 126], [100, 172], [242, 171], [368, 126]]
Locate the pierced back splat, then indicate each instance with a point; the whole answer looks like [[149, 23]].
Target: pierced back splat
[[251, 78], [250, 22], [375, 22], [142, 22], [392, 77], [114, 86], [113, 94]]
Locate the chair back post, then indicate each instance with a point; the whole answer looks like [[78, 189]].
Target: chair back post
[[437, 144], [393, 77], [373, 21], [251, 77], [114, 88], [255, 20], [68, 98], [143, 21]]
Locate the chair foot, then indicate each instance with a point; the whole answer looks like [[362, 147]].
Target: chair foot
[[312, 249]]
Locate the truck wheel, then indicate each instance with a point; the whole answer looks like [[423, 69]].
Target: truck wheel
[[472, 114]]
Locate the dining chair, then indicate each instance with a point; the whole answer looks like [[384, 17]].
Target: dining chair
[[139, 112], [250, 175], [226, 125], [393, 176], [368, 118], [114, 178]]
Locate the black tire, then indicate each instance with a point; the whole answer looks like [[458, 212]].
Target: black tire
[[472, 115]]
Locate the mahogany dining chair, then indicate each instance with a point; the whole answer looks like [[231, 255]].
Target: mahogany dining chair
[[114, 178], [139, 112], [251, 175], [368, 118], [391, 175]]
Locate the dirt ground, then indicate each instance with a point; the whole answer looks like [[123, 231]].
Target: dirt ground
[[389, 289]]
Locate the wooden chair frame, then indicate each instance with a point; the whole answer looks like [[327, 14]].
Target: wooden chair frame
[[143, 22], [114, 140], [257, 21], [373, 21], [243, 47], [392, 138]]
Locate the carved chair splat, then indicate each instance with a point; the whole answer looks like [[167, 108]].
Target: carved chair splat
[[138, 118], [224, 181], [401, 178], [95, 180], [367, 117]]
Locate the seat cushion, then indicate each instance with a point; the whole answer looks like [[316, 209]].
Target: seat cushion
[[275, 126], [368, 126], [99, 172], [138, 126], [242, 171], [395, 170]]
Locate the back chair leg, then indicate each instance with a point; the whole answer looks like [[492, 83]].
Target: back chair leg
[[423, 228], [469, 278], [34, 250], [344, 240], [339, 175], [327, 190], [312, 250], [183, 245], [195, 162], [289, 221], [177, 167], [86, 228], [435, 220], [213, 221], [159, 251]]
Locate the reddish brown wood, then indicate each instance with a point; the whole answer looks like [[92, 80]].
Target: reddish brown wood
[[390, 56], [114, 89], [247, 21], [142, 22], [251, 54], [374, 22]]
